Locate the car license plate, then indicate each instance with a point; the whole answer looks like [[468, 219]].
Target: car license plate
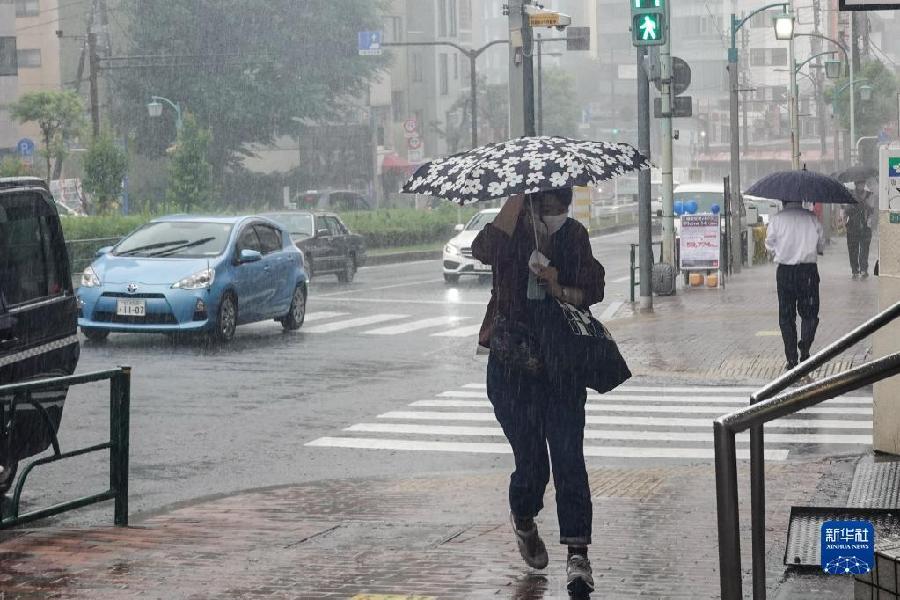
[[131, 308]]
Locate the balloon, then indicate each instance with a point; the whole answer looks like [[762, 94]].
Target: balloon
[[715, 208], [679, 208], [690, 207]]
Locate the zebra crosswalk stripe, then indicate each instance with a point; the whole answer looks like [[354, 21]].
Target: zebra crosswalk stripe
[[414, 326], [350, 323], [676, 423]]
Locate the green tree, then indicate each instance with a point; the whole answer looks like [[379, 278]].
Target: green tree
[[871, 115], [105, 165], [60, 115], [12, 166], [189, 174], [247, 69]]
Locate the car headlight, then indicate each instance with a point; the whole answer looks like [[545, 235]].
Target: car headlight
[[90, 278], [451, 249], [199, 280]]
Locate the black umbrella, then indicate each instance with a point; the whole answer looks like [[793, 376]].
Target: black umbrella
[[801, 186], [524, 165], [857, 173]]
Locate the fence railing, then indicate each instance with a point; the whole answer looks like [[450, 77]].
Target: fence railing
[[83, 252], [770, 403], [118, 444]]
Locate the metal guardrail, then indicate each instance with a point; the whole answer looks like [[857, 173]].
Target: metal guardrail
[[83, 252], [769, 403], [118, 445], [635, 267]]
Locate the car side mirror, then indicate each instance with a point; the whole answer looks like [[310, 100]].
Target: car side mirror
[[249, 256], [103, 250], [322, 233], [459, 227]]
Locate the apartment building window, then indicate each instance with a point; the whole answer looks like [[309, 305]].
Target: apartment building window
[[451, 8], [417, 67], [8, 60], [779, 57], [29, 58], [393, 29], [444, 73], [398, 110], [465, 15], [442, 17], [757, 57], [28, 8]]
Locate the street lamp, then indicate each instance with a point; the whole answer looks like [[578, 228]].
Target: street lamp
[[833, 68], [735, 179], [154, 108], [865, 92], [784, 26]]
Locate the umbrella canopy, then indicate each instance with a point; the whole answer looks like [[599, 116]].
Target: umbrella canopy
[[857, 173], [524, 165], [801, 186]]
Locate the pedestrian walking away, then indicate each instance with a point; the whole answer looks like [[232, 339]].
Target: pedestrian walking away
[[858, 221], [538, 254], [795, 238]]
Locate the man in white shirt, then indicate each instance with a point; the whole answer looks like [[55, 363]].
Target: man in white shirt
[[795, 238]]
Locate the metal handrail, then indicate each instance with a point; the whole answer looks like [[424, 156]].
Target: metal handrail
[[767, 404]]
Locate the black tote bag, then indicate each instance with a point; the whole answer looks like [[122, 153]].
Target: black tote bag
[[573, 340]]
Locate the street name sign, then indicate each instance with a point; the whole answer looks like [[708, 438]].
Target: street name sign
[[681, 77], [869, 5], [682, 107], [544, 19]]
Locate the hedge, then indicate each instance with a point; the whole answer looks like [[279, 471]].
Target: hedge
[[382, 229]]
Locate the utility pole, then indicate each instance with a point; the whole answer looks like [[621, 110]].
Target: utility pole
[[644, 232], [854, 67], [94, 62], [540, 86], [668, 203], [735, 178], [516, 14], [795, 116]]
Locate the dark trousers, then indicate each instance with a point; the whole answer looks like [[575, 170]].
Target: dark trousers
[[535, 414], [798, 292], [858, 241]]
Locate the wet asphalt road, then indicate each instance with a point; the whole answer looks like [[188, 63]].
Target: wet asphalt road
[[216, 420]]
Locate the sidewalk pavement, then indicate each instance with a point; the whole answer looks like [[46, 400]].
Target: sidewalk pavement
[[446, 536], [731, 334]]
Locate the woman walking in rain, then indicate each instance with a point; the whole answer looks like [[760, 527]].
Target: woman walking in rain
[[536, 251]]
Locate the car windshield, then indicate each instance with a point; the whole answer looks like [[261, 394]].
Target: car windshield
[[295, 224], [176, 239], [480, 220], [704, 200]]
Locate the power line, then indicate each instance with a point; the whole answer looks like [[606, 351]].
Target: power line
[[56, 20]]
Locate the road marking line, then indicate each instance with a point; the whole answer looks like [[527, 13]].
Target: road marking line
[[323, 314], [610, 311], [641, 408], [768, 334], [737, 400], [621, 279], [347, 324], [462, 332], [414, 326], [644, 421], [381, 287], [393, 301], [608, 434], [498, 448]]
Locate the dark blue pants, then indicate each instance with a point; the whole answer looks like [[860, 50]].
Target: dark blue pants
[[537, 414], [798, 293]]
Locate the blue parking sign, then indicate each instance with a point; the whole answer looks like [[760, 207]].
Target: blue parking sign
[[25, 147], [369, 43]]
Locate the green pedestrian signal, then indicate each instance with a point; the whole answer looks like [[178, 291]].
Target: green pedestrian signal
[[648, 22]]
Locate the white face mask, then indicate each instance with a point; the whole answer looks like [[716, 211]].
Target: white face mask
[[554, 222]]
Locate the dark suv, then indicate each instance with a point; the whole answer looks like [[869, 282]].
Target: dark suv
[[38, 317], [332, 200]]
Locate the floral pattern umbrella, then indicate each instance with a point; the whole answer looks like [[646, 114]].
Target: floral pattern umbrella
[[524, 165]]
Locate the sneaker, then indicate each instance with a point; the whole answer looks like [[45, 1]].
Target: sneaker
[[864, 275], [855, 276], [579, 577], [531, 546]]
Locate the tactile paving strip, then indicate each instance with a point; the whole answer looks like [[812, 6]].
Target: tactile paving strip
[[875, 485], [804, 542]]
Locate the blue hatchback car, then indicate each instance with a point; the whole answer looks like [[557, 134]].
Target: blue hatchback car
[[184, 274]]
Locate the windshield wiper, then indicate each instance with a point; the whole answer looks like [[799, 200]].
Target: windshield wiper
[[183, 246], [151, 247]]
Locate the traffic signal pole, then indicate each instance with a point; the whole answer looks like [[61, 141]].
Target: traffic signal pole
[[668, 204], [644, 230]]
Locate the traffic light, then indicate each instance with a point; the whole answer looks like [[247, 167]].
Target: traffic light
[[648, 22]]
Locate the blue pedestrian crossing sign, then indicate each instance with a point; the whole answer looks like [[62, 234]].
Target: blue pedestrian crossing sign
[[370, 43], [25, 147]]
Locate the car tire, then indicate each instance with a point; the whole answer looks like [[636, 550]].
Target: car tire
[[8, 478], [451, 279], [297, 313], [226, 319], [95, 335], [346, 274]]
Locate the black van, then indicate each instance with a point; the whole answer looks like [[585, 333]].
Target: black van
[[38, 316]]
